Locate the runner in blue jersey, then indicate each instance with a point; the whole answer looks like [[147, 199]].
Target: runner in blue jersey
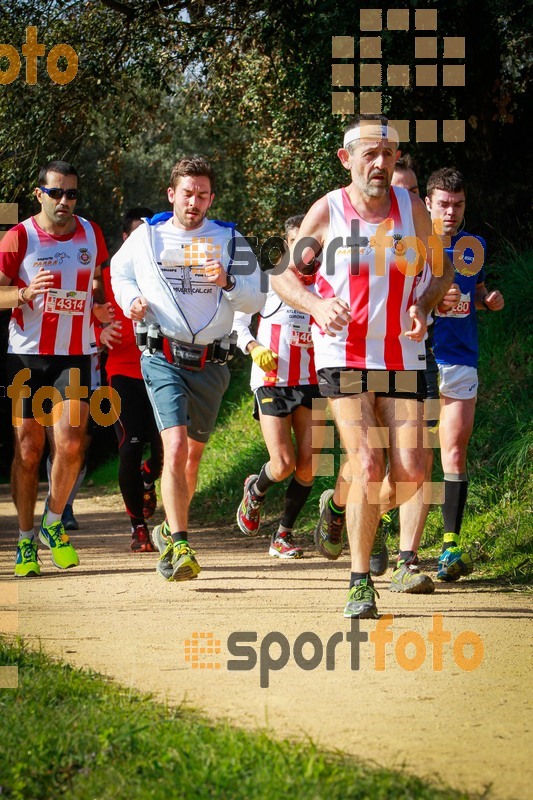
[[456, 351]]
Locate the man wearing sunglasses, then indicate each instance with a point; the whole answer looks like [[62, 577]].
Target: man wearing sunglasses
[[54, 260]]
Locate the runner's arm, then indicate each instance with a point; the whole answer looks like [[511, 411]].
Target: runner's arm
[[241, 325], [328, 313], [441, 278], [104, 312], [123, 280], [489, 301]]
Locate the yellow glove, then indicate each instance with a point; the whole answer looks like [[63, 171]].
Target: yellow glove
[[264, 358]]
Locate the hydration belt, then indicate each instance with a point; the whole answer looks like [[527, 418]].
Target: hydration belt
[[192, 356], [186, 354]]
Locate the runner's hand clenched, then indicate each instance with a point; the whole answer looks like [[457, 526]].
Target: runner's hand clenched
[[331, 314]]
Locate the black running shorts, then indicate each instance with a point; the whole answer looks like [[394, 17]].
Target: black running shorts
[[52, 372], [283, 400], [344, 381]]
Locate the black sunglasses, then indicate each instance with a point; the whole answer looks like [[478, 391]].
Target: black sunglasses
[[57, 194]]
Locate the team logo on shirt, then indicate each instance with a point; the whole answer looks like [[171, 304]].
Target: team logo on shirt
[[51, 261], [365, 249], [84, 257], [398, 247], [467, 257]]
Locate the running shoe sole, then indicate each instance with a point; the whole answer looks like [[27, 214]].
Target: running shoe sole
[[186, 569], [276, 554], [242, 526], [451, 566], [149, 503], [161, 542], [325, 497], [370, 612], [425, 586]]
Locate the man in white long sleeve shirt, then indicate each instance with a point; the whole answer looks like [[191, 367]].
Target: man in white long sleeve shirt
[[175, 274]]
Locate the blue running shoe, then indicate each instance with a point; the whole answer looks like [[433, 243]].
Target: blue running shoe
[[453, 564]]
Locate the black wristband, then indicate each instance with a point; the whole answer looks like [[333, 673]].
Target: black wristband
[[230, 283]]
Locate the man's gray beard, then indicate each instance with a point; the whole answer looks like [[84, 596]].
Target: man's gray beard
[[376, 191], [370, 190]]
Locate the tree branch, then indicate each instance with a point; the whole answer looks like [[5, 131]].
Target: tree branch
[[121, 8]]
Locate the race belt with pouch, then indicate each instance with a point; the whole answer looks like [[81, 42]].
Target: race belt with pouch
[[186, 355], [193, 356]]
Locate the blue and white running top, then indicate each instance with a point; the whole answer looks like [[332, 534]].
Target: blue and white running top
[[455, 336]]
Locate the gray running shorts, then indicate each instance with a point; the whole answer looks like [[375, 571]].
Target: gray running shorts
[[185, 397]]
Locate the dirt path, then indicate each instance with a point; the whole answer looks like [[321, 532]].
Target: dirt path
[[114, 614]]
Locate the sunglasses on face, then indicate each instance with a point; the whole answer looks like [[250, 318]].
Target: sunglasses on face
[[57, 194]]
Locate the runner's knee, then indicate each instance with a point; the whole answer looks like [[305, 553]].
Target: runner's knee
[[282, 465]]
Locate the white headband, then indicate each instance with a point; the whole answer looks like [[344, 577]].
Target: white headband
[[371, 129]]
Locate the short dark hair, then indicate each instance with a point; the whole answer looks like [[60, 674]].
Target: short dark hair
[[195, 166], [132, 215], [293, 222], [61, 167], [403, 163], [447, 179]]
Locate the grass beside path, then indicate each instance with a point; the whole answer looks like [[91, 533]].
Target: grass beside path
[[69, 733]]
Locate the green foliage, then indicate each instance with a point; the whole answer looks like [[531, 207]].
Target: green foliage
[[501, 451], [69, 733], [249, 84]]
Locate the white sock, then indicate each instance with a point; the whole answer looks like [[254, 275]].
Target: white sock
[[26, 534], [51, 518]]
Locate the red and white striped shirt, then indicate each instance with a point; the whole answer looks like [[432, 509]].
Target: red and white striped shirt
[[379, 295], [286, 332], [58, 322]]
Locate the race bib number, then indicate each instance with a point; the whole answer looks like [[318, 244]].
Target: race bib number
[[301, 336], [461, 310], [65, 301]]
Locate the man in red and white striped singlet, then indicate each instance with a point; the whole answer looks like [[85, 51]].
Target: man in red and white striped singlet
[[54, 259], [378, 280]]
